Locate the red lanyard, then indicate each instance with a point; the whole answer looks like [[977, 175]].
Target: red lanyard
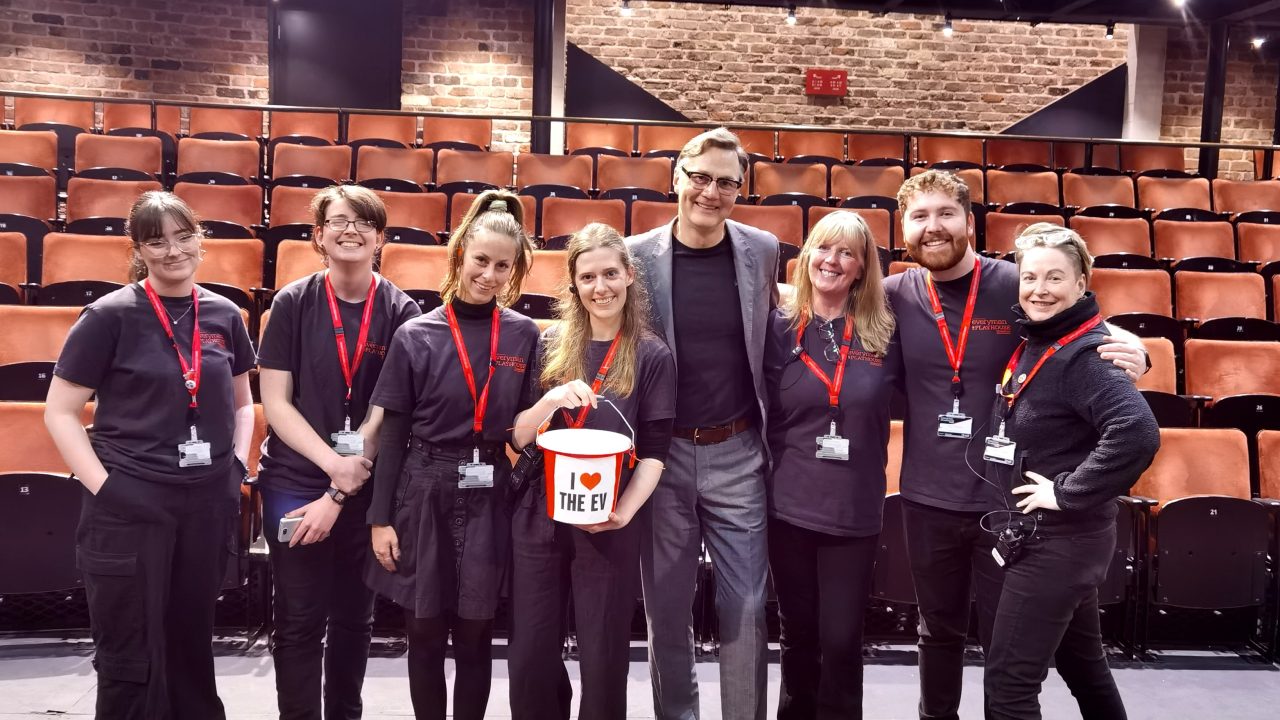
[[190, 373], [596, 384], [349, 368], [481, 400], [1065, 340], [833, 387], [955, 353]]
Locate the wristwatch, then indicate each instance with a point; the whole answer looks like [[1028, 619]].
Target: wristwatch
[[336, 495]]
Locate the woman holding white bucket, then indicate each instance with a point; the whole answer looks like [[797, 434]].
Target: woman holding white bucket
[[450, 389], [602, 335], [831, 360]]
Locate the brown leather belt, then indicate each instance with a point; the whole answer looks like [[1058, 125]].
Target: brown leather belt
[[714, 434]]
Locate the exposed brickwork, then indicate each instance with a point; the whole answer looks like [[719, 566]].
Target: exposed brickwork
[[459, 55], [471, 56], [746, 65], [1248, 114], [207, 51]]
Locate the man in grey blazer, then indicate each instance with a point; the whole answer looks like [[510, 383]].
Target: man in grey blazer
[[713, 283]]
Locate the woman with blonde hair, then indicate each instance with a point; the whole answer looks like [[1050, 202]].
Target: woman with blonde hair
[[602, 335], [449, 391], [1069, 434], [831, 361], [168, 362]]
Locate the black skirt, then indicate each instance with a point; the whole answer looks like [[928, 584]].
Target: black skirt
[[454, 543]]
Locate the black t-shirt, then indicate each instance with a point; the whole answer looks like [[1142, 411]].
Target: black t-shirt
[[422, 375], [713, 373], [653, 396], [836, 497], [300, 340], [935, 470], [118, 348]]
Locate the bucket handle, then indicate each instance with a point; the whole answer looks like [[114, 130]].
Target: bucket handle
[[615, 409]]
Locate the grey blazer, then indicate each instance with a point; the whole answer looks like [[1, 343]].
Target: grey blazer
[[755, 260]]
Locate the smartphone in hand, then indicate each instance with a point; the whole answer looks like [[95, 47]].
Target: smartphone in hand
[[288, 526]]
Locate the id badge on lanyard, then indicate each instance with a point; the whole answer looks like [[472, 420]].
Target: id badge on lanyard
[[833, 447], [955, 424], [346, 441], [194, 452], [830, 446], [475, 474], [1000, 449]]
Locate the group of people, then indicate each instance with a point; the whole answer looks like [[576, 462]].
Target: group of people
[[760, 425]]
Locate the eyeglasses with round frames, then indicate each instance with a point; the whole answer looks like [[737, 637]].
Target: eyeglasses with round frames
[[160, 246], [700, 181], [341, 225]]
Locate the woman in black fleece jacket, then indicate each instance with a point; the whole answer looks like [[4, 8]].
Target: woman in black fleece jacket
[[1074, 426]]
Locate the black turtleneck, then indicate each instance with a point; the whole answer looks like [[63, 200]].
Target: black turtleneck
[[1080, 422], [482, 311]]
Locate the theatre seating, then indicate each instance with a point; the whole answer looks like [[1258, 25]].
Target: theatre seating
[[31, 339], [1208, 539], [39, 505]]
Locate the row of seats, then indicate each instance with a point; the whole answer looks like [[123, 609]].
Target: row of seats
[[409, 130], [240, 161], [1192, 535]]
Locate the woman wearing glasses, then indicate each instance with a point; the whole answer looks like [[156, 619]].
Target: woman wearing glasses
[[1070, 433], [320, 358], [602, 335], [831, 361], [453, 383], [169, 364]]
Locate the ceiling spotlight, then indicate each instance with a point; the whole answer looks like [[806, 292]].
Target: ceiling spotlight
[[1179, 3], [1258, 42], [791, 15], [625, 10], [1111, 30], [947, 29]]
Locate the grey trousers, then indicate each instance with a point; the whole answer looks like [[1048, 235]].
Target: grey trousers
[[712, 494]]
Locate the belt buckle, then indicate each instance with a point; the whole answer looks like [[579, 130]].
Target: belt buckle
[[695, 435]]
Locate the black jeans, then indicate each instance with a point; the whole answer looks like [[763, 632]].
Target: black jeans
[[603, 573], [154, 557], [823, 584], [1049, 610], [323, 619], [949, 554]]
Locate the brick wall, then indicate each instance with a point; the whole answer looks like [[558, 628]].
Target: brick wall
[[471, 56], [459, 55], [210, 51], [1249, 106], [746, 65]]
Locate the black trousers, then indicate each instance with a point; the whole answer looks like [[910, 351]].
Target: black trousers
[[951, 561], [602, 571], [823, 583], [1049, 611], [323, 619], [154, 557]]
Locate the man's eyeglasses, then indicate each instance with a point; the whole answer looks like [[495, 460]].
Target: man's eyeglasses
[[160, 246], [341, 225], [827, 331], [700, 181]]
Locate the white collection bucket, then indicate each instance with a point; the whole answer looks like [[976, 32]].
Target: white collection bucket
[[583, 472]]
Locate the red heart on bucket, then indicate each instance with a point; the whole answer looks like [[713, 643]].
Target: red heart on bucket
[[590, 480]]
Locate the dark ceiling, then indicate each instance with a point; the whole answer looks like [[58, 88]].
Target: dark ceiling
[[1252, 14]]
